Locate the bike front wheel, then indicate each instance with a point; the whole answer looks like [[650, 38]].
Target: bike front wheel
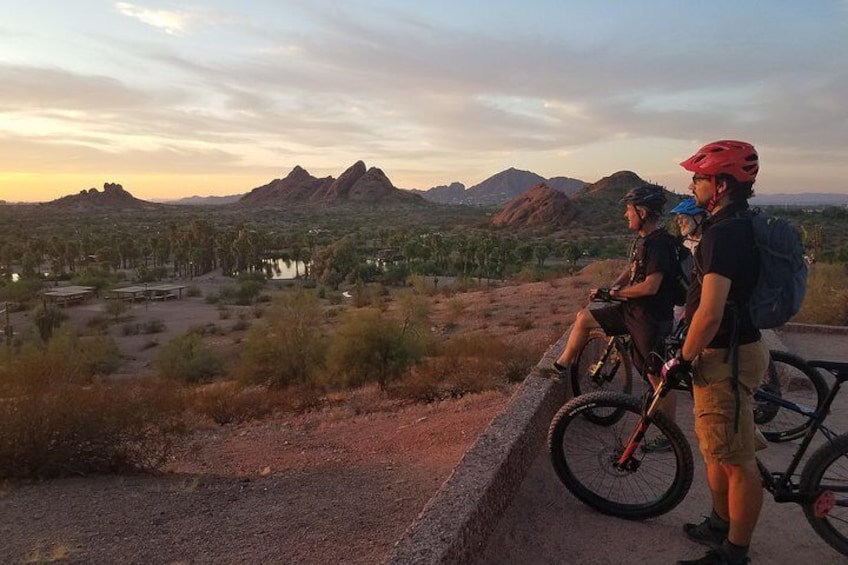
[[602, 365], [789, 378], [825, 478], [584, 456]]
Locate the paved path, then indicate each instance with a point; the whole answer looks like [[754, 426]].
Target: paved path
[[546, 524]]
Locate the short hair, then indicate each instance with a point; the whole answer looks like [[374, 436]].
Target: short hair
[[737, 190]]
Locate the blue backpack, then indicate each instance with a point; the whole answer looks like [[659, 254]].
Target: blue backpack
[[782, 282]]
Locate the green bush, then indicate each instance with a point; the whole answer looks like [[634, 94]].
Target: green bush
[[188, 359], [370, 346], [290, 349]]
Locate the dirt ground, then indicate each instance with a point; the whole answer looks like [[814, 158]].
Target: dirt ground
[[332, 486]]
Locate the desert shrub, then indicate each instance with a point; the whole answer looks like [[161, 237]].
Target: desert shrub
[[115, 308], [57, 419], [361, 296], [223, 313], [373, 347], [153, 326], [188, 359], [826, 301], [131, 329], [193, 291], [228, 403], [240, 325], [47, 318], [247, 291], [288, 350], [98, 323], [469, 364], [98, 278], [212, 298], [22, 292]]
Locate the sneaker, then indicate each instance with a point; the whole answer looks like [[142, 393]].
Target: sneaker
[[559, 371], [714, 557], [705, 533], [659, 444]]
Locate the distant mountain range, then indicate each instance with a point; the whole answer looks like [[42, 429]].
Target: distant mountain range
[[359, 184], [300, 186], [804, 199], [499, 188]]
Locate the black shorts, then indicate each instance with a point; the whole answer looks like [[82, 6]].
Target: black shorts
[[645, 332]]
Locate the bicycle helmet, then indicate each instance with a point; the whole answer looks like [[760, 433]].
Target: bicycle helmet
[[648, 195], [735, 158], [688, 207]]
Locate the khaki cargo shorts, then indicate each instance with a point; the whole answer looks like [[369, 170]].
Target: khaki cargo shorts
[[715, 403]]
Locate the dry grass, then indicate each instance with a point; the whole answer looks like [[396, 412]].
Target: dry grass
[[826, 301]]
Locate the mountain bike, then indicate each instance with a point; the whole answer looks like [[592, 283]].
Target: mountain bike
[[605, 363], [604, 467]]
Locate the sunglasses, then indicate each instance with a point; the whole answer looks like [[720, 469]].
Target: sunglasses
[[696, 178]]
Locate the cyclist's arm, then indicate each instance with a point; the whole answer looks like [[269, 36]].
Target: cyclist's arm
[[648, 287], [705, 322]]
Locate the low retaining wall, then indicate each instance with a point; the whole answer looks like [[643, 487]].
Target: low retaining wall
[[455, 524]]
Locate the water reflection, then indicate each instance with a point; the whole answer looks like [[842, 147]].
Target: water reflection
[[280, 270]]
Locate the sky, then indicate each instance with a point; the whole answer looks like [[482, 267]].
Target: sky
[[173, 99]]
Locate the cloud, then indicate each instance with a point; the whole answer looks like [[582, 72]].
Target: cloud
[[171, 22]]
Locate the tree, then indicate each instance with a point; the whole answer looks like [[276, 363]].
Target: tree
[[290, 350], [371, 346]]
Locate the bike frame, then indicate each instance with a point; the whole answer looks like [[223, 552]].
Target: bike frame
[[780, 485]]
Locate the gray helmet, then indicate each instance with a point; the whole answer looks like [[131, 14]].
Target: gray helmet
[[650, 196]]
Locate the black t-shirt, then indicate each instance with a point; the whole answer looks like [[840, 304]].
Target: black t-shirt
[[727, 249], [654, 253]]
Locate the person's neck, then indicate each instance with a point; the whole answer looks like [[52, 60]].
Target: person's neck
[[648, 228]]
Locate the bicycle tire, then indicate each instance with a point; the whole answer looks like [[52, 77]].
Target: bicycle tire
[[583, 453], [797, 382], [615, 375], [826, 470]]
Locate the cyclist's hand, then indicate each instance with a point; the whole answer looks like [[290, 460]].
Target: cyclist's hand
[[676, 369], [600, 294]]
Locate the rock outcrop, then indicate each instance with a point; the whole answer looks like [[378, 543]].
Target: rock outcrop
[[112, 197], [541, 206]]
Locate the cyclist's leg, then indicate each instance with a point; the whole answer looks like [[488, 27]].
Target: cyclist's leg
[[728, 444], [586, 320], [647, 335]]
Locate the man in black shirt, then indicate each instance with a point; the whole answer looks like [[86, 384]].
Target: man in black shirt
[[646, 288], [724, 349]]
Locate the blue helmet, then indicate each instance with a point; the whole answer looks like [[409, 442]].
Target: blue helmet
[[687, 206]]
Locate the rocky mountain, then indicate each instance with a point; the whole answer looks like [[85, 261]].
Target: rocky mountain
[[113, 197], [541, 206], [453, 193], [596, 205], [297, 187], [357, 184], [499, 188]]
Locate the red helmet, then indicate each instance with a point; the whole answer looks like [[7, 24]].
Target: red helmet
[[735, 158]]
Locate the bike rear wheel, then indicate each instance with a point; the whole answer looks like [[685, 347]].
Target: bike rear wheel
[[790, 378], [599, 368], [584, 455], [827, 472]]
